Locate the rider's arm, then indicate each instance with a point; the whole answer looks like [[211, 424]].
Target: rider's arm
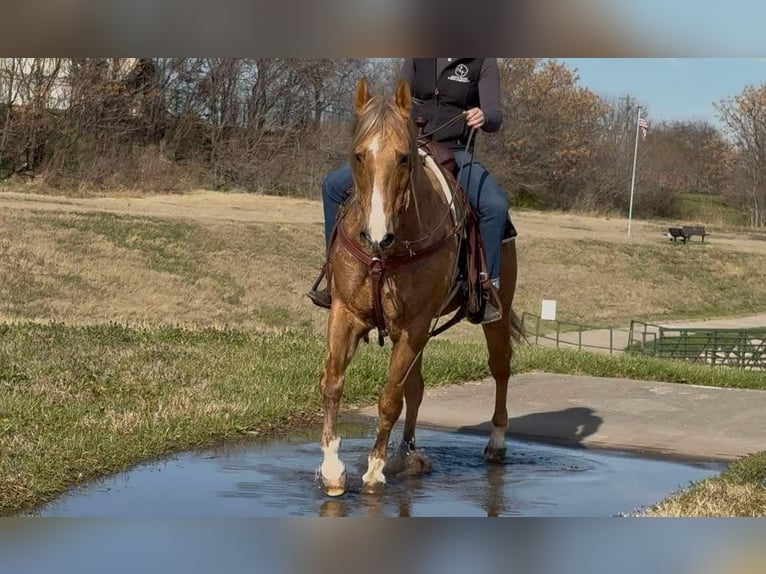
[[489, 95]]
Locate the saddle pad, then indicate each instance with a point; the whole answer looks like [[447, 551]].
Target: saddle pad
[[443, 183], [509, 234]]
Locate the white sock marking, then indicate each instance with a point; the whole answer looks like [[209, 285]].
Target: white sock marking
[[497, 438], [374, 474], [332, 466]]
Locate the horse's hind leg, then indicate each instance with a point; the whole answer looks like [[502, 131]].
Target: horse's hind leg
[[500, 335], [343, 334], [404, 359]]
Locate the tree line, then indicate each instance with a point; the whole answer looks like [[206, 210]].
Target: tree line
[[278, 125]]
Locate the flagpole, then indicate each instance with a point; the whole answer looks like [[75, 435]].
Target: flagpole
[[633, 181]]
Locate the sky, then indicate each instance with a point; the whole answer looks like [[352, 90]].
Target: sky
[[671, 88]]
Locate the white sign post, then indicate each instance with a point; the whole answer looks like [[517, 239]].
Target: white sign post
[[548, 310]]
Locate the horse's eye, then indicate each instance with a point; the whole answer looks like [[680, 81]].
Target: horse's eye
[[404, 158], [359, 156]]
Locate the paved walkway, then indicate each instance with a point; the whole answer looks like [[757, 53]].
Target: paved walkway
[[684, 421]]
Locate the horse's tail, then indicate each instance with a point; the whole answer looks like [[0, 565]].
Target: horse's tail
[[517, 330]]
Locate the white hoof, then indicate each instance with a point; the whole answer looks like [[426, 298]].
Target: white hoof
[[333, 471], [374, 481]]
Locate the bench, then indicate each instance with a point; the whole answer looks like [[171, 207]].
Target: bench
[[690, 232], [686, 233]]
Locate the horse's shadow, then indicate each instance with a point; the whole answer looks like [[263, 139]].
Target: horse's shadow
[[569, 427]]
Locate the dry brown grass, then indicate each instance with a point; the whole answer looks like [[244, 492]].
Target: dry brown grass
[[715, 498], [246, 260]]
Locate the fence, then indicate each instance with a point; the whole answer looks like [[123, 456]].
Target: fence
[[563, 334], [741, 348]]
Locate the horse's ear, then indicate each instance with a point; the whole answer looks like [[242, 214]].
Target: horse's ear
[[362, 95], [403, 97]]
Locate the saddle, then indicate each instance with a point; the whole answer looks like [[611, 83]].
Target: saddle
[[472, 287]]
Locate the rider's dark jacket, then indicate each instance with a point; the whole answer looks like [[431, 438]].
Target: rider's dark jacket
[[442, 88]]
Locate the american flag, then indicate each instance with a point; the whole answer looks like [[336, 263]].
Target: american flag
[[644, 125]]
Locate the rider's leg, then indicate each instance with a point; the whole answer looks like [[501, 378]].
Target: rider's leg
[[334, 192], [491, 203], [335, 189]]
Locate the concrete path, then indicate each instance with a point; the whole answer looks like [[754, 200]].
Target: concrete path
[[683, 421]]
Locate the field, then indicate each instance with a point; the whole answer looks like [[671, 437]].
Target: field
[[209, 259], [137, 326]]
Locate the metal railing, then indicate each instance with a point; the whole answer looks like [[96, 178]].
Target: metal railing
[[740, 348], [565, 334]]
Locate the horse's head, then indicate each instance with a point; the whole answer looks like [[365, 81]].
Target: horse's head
[[382, 156]]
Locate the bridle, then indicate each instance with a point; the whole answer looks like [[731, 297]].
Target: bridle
[[378, 266]]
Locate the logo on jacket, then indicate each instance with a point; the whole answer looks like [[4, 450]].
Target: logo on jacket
[[460, 75]]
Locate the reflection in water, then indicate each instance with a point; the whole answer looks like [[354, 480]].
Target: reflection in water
[[495, 500], [447, 478]]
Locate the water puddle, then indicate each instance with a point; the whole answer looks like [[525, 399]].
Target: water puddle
[[278, 479]]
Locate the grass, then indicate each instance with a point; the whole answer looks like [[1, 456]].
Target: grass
[[740, 491], [100, 267], [603, 284], [80, 402], [93, 267], [229, 273], [575, 362]]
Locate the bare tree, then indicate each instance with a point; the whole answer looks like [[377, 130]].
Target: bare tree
[[745, 119]]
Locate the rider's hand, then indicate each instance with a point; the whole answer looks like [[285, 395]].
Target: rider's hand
[[474, 117]]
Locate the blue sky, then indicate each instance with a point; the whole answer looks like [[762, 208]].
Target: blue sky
[[671, 88]]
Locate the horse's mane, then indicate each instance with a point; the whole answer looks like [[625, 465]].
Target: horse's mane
[[381, 116]]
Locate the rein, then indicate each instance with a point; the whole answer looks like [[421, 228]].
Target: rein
[[448, 123]]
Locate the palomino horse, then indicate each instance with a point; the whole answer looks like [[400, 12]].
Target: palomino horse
[[396, 204]]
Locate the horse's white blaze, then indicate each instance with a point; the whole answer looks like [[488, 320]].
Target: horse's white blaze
[[497, 438], [332, 467], [378, 224], [374, 474]]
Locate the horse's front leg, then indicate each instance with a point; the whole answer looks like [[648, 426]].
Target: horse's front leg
[[404, 359], [344, 331]]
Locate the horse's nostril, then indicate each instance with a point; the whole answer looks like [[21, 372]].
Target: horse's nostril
[[387, 240]]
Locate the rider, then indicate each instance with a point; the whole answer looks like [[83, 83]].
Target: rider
[[442, 88]]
